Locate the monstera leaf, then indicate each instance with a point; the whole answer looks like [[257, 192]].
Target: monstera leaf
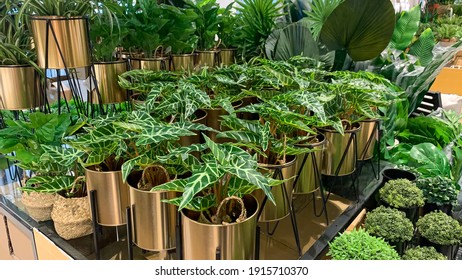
[[362, 28], [293, 40]]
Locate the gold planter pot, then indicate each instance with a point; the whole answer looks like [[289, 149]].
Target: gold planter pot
[[338, 145], [233, 241], [367, 138], [153, 221], [71, 41], [208, 58], [155, 64], [112, 196], [213, 120], [180, 62], [107, 76], [227, 56], [275, 212], [307, 165], [19, 88]]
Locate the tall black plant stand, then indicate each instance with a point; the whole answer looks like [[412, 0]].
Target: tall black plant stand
[[362, 161], [352, 143], [71, 75], [318, 179], [278, 175], [96, 227]]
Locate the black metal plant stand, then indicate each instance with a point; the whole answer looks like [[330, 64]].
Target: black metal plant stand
[[362, 160], [352, 142], [278, 175], [318, 179], [95, 225], [71, 75]]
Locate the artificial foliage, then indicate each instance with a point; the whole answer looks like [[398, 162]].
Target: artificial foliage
[[390, 224], [402, 193], [423, 253], [438, 190], [440, 228], [360, 245]]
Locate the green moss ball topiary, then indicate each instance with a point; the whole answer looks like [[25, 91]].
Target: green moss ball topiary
[[423, 253], [402, 193], [439, 228], [390, 224]]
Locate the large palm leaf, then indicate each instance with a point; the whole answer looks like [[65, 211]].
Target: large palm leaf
[[405, 29]]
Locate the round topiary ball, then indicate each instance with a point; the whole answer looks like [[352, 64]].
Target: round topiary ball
[[440, 228], [402, 193], [390, 224], [423, 253], [360, 245]]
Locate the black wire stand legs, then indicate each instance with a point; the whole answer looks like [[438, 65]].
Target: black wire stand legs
[[278, 174], [96, 226]]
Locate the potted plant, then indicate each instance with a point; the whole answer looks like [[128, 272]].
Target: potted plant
[[146, 37], [207, 22], [423, 253], [156, 158], [30, 142], [360, 245], [403, 195], [181, 38], [227, 28], [440, 193], [441, 231], [218, 213], [106, 34], [105, 147], [60, 30], [390, 224], [252, 33], [270, 140], [19, 75]]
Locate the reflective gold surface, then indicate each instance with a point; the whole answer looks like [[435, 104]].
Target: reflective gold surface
[[208, 58], [213, 120], [155, 64], [182, 62], [153, 221], [71, 39], [307, 182], [272, 212], [369, 128], [19, 88], [233, 242], [107, 76], [227, 56], [112, 196], [335, 148]]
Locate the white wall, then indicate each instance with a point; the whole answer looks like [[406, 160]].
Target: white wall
[[224, 3]]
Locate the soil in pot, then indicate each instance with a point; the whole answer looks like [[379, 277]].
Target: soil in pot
[[72, 217], [39, 205]]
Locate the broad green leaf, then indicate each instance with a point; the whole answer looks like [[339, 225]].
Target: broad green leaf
[[430, 161], [405, 29], [49, 184], [423, 47], [177, 185], [362, 28], [197, 204]]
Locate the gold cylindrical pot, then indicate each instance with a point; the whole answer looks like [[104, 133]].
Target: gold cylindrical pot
[[19, 88], [154, 64], [186, 141], [107, 75], [208, 58], [367, 138], [308, 166], [112, 196], [180, 62], [227, 56], [275, 212], [153, 221], [340, 146], [213, 120], [67, 43], [230, 242]]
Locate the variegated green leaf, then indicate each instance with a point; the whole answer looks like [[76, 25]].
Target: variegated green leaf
[[161, 133], [197, 204], [49, 184], [209, 174], [63, 156], [177, 185]]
